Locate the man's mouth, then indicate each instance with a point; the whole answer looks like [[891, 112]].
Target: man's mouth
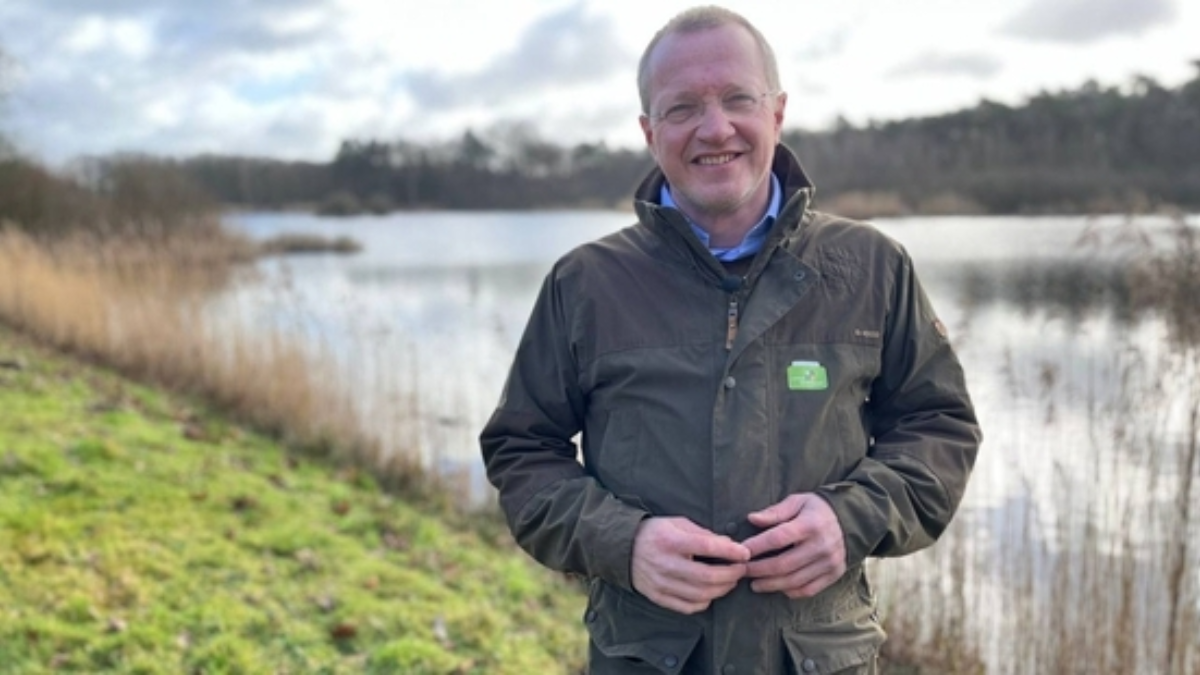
[[713, 160]]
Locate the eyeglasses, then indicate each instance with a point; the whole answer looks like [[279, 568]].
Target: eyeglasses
[[737, 105]]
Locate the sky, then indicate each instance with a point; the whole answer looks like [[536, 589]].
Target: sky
[[291, 79]]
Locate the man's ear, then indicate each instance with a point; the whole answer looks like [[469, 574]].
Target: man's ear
[[647, 131], [780, 106]]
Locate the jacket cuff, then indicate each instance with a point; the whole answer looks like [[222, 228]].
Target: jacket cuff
[[857, 516], [612, 530]]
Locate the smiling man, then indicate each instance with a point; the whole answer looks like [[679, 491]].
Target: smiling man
[[766, 397]]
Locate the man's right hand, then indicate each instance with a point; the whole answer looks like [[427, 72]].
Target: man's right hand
[[666, 571]]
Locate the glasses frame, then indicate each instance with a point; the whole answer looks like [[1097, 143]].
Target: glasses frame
[[696, 117]]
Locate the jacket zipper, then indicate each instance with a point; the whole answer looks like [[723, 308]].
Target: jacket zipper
[[731, 325]]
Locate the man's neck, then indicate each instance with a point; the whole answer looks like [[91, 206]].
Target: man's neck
[[727, 230]]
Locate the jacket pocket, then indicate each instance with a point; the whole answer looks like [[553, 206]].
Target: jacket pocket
[[632, 634], [825, 653]]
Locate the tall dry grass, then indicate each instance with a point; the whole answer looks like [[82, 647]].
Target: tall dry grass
[[142, 305], [1092, 566]]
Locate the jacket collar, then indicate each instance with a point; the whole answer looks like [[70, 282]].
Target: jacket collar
[[670, 223], [797, 188]]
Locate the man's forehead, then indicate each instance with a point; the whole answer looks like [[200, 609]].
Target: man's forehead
[[722, 36], [720, 57]]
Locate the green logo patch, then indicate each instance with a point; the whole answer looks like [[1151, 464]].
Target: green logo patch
[[807, 376]]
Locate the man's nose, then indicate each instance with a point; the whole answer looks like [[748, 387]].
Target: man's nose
[[715, 123]]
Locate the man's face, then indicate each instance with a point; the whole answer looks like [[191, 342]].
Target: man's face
[[718, 162]]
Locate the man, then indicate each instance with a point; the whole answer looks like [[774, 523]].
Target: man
[[764, 394]]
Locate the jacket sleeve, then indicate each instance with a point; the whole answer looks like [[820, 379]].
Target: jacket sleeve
[[559, 514], [925, 436]]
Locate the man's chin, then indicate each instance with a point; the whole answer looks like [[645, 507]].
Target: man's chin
[[719, 204]]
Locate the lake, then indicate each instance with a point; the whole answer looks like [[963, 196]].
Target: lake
[[1077, 388]]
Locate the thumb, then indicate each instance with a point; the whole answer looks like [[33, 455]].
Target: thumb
[[779, 512], [702, 542]]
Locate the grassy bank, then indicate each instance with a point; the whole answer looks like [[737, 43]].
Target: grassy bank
[[138, 533]]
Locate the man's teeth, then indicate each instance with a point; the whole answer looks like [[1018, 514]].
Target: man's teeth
[[716, 159]]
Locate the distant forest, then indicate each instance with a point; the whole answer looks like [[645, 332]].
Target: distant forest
[[1091, 149]]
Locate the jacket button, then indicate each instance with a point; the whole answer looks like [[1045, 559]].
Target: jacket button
[[728, 669], [590, 616], [670, 660], [730, 382], [799, 276], [731, 528], [809, 666]]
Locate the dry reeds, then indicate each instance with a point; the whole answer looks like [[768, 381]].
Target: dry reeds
[[1088, 564], [143, 306], [124, 261]]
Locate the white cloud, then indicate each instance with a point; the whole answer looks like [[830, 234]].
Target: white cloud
[[979, 66], [1082, 21], [130, 38]]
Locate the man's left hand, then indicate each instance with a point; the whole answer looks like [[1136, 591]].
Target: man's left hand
[[809, 551]]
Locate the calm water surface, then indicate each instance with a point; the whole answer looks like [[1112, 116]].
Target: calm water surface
[[447, 295]]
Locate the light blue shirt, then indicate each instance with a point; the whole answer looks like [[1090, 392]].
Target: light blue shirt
[[753, 241]]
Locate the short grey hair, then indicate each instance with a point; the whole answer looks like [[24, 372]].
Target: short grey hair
[[699, 19]]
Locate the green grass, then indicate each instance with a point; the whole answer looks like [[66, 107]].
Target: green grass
[[140, 534]]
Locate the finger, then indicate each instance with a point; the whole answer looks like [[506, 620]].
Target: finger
[[677, 604], [688, 539], [697, 574], [816, 552], [776, 538], [813, 587], [779, 512], [717, 550], [720, 574], [799, 582], [782, 564], [693, 591], [696, 542], [802, 584]]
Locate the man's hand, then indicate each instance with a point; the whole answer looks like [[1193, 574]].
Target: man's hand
[[666, 571], [810, 553]]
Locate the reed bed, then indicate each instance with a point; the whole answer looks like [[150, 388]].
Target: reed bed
[[142, 305], [1090, 563]]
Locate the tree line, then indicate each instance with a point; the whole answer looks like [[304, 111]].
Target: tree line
[[1090, 149], [1093, 148], [511, 167]]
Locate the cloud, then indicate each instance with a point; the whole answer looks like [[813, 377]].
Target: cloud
[[976, 66], [564, 49], [1082, 21], [176, 76]]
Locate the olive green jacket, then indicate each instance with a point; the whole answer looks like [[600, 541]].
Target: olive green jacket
[[709, 396]]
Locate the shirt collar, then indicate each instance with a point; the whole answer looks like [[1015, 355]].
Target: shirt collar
[[755, 238]]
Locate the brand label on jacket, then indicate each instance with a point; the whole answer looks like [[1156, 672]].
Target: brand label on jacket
[[807, 376]]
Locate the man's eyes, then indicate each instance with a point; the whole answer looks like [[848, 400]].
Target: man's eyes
[[739, 102], [685, 111], [681, 112]]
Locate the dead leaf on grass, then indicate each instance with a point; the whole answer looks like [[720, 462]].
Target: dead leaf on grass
[[343, 631]]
